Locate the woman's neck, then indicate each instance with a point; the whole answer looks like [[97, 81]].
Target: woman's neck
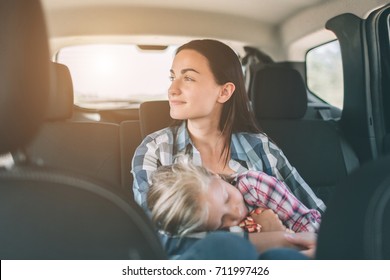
[[205, 134], [210, 142]]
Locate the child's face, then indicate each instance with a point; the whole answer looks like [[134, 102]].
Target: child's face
[[226, 205]]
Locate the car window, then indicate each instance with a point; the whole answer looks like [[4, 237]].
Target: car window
[[108, 74], [325, 73], [6, 161]]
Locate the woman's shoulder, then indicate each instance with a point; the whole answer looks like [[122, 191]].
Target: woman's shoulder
[[160, 140], [252, 138], [258, 142], [161, 136]]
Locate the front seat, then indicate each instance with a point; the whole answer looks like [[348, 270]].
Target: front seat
[[315, 147], [46, 213]]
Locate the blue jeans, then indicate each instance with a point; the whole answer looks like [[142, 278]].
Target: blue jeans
[[229, 246]]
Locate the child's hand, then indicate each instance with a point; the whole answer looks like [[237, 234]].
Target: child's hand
[[268, 220]]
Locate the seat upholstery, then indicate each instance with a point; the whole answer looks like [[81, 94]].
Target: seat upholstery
[[46, 212], [51, 214], [153, 116], [99, 142], [278, 93], [19, 119], [316, 148], [60, 105], [130, 138], [356, 224]]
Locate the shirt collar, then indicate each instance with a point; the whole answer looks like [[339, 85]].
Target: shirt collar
[[183, 137], [237, 151], [186, 146]]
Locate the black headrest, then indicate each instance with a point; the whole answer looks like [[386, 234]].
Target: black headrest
[[61, 96], [278, 93], [24, 72]]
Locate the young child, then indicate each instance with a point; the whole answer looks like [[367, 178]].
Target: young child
[[185, 198]]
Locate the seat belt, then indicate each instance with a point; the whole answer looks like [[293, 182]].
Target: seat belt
[[351, 161], [325, 114]]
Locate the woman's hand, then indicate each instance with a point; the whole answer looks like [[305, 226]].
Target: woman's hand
[[306, 241], [268, 220]]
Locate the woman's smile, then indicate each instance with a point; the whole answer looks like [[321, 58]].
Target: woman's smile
[[176, 103]]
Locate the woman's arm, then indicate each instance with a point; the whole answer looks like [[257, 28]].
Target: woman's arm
[[144, 163], [304, 241], [268, 240]]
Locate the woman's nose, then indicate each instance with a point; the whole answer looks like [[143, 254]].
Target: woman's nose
[[174, 88]]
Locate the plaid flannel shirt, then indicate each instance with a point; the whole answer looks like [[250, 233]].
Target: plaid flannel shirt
[[262, 190]]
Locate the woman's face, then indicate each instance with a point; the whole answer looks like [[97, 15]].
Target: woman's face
[[194, 93], [225, 204]]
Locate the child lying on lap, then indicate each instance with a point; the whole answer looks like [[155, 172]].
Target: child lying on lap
[[185, 198]]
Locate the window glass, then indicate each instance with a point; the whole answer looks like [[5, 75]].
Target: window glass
[[325, 73], [117, 74]]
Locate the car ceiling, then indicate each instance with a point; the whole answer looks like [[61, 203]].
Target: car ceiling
[[265, 11], [268, 24]]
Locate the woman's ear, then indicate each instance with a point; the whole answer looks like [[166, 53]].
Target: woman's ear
[[227, 91]]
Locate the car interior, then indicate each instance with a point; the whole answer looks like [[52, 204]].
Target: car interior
[[67, 193]]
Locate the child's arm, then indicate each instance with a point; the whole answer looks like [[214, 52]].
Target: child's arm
[[262, 190], [267, 219], [262, 220]]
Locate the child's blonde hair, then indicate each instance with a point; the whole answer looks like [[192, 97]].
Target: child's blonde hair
[[175, 197]]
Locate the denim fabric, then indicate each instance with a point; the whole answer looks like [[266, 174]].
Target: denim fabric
[[221, 246]]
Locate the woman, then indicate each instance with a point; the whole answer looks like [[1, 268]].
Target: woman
[[216, 128]]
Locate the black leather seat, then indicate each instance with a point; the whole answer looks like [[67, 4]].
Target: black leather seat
[[49, 213], [316, 148]]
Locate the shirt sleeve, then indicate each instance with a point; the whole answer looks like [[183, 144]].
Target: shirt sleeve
[[145, 162], [262, 190]]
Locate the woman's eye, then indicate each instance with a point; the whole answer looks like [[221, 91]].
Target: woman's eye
[[171, 78], [186, 78]]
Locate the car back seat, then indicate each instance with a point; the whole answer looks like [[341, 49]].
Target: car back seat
[[130, 138], [154, 115], [87, 147], [316, 148]]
